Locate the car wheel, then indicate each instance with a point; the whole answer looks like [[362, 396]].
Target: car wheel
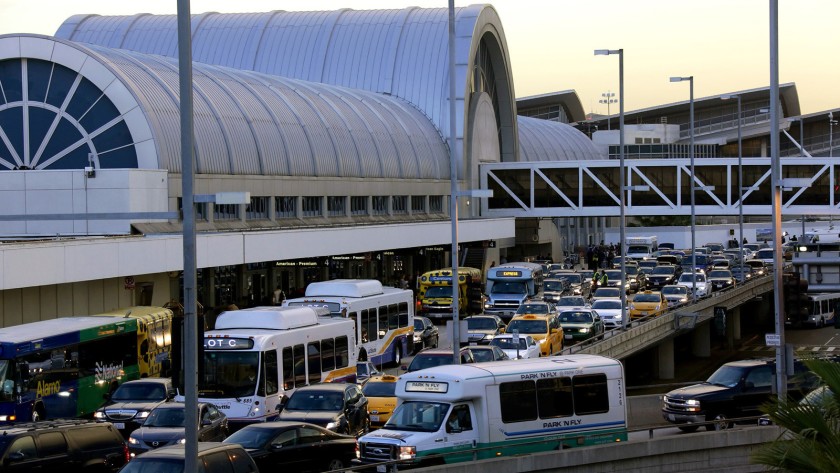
[[334, 464], [36, 415], [437, 340], [719, 422], [692, 428]]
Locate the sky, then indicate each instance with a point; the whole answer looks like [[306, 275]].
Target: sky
[[724, 44]]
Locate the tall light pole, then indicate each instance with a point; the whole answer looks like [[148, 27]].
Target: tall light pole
[[690, 80], [740, 185], [776, 179], [453, 181], [622, 223], [608, 99]]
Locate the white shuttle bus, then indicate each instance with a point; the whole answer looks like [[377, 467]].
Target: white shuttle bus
[[384, 316], [255, 358], [468, 412]]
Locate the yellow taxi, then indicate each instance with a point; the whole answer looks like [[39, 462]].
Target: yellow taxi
[[545, 329], [380, 390], [648, 303]]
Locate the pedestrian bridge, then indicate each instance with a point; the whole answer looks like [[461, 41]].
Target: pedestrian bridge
[[590, 188]]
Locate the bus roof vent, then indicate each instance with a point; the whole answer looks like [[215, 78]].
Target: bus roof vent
[[271, 318], [345, 288]]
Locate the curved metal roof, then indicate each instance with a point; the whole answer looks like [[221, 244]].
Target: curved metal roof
[[544, 140], [251, 123], [402, 53]]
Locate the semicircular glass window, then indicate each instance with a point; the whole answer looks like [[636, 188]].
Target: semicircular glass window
[[54, 118]]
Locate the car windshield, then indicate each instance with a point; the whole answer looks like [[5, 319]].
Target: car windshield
[[613, 275], [687, 278], [726, 376], [554, 286], [506, 343], [316, 401], [156, 465], [421, 362], [647, 298], [764, 254], [165, 417], [576, 317], [507, 288], [483, 354], [140, 392], [252, 438], [663, 270], [481, 323], [673, 290], [720, 274], [379, 389], [573, 278], [532, 309], [631, 270], [606, 292], [419, 325], [418, 416], [528, 326], [571, 301], [606, 304]]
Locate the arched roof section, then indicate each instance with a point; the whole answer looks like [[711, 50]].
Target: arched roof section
[[250, 123], [402, 53], [544, 140]]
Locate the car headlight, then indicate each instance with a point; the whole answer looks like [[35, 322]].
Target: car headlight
[[99, 415], [543, 341], [332, 425], [408, 453], [142, 415], [692, 402], [133, 441], [182, 441], [584, 330]]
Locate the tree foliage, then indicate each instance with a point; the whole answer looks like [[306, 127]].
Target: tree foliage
[[810, 441]]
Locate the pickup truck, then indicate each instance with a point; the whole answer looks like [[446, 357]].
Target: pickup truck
[[737, 389]]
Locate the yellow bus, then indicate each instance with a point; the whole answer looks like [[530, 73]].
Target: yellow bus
[[435, 294], [154, 337]]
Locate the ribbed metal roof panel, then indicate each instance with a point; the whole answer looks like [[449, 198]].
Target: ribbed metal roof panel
[[543, 140]]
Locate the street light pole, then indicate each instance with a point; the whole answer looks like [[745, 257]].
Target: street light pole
[[690, 80], [453, 181], [740, 186], [608, 99], [622, 190]]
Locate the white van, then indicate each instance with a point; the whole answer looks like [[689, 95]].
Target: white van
[[457, 413]]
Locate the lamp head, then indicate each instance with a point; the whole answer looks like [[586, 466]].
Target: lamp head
[[678, 79], [602, 52]]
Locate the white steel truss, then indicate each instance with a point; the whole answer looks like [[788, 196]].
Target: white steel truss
[[590, 188]]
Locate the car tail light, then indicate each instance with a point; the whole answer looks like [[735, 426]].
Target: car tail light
[[126, 453]]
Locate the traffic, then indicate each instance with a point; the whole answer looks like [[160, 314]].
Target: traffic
[[274, 379]]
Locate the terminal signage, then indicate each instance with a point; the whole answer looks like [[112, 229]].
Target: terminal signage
[[228, 343]]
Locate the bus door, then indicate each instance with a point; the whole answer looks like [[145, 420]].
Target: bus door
[[461, 431]]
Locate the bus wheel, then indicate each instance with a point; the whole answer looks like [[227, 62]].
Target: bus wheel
[[397, 354]]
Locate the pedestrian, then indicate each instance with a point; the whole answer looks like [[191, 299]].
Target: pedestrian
[[604, 278], [279, 296]]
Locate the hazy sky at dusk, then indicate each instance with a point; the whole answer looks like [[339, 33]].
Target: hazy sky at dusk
[[724, 44]]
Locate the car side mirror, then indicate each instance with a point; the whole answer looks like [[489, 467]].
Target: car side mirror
[[170, 394], [106, 396], [16, 456]]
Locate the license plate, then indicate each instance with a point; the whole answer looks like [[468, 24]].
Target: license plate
[[644, 312], [119, 425], [374, 418], [671, 417], [568, 337], [381, 468]]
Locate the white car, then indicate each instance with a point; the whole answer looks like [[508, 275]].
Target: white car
[[610, 312], [704, 287], [528, 348], [676, 295], [571, 302]]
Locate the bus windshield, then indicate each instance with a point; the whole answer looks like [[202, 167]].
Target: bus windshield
[[419, 416], [6, 382], [439, 291], [508, 288], [229, 374]]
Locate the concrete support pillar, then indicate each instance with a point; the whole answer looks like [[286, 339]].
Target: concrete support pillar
[[665, 356], [734, 326], [208, 279], [701, 343]]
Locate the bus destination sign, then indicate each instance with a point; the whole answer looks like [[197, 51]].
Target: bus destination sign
[[426, 387], [228, 343], [511, 274]]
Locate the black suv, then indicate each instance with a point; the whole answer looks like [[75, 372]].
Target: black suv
[[737, 389], [338, 407], [62, 446], [128, 406]]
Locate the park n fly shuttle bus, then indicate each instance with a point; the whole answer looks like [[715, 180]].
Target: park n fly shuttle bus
[[510, 285], [383, 316], [255, 358], [456, 413], [63, 367]]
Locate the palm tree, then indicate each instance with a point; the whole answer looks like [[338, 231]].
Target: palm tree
[[811, 439]]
